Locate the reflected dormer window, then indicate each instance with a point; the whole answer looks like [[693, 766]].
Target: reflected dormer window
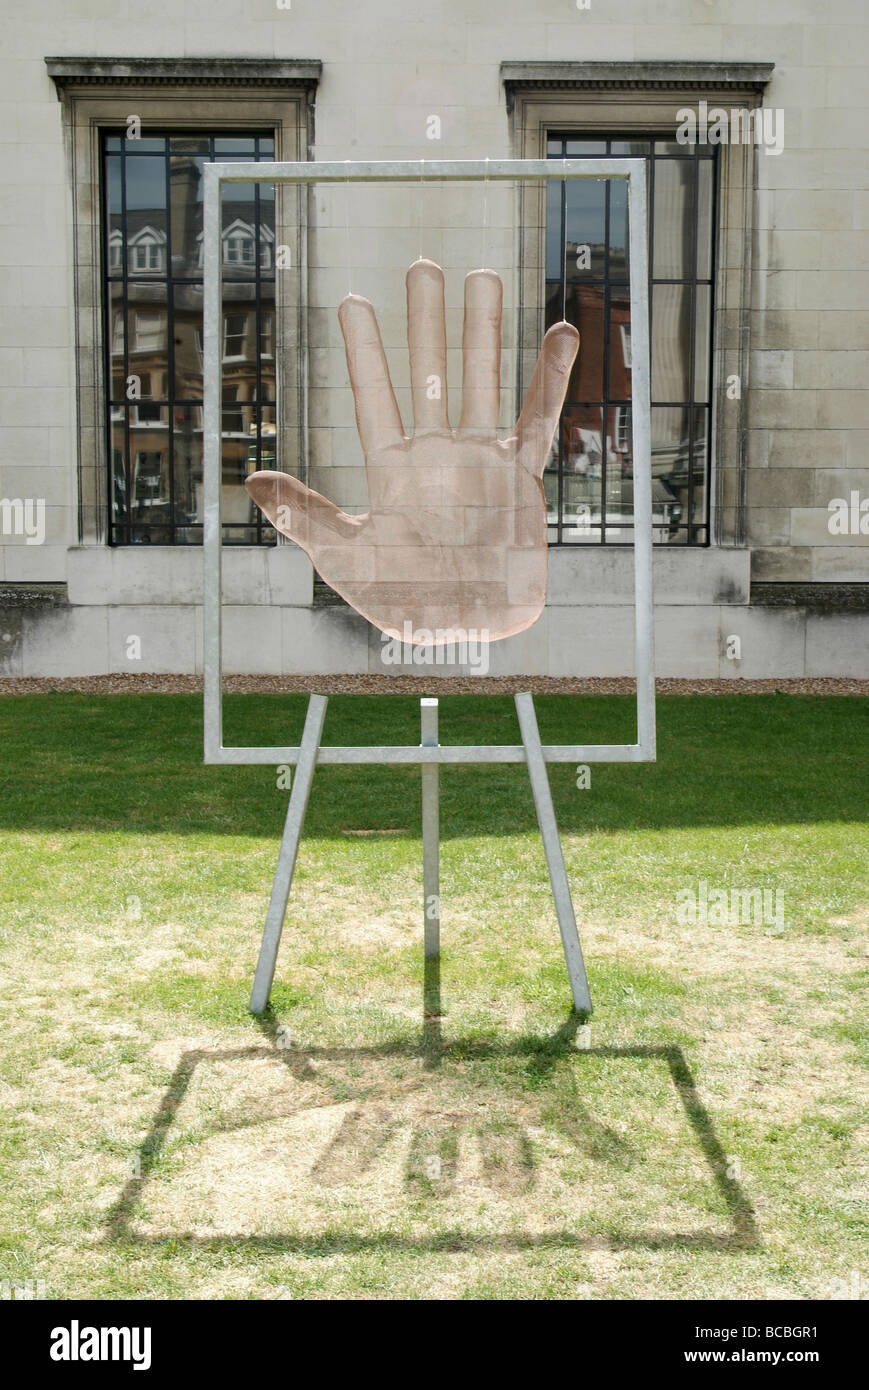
[[116, 250], [239, 246], [147, 253]]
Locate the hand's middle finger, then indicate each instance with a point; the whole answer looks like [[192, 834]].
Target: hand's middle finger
[[427, 345]]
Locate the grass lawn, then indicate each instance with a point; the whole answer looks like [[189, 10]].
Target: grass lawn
[[158, 1142]]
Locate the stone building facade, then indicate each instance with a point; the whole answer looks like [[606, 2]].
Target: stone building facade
[[759, 262]]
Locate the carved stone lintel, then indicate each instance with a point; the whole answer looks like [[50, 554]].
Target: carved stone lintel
[[77, 73]]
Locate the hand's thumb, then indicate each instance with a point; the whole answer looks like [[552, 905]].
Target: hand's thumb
[[298, 512]]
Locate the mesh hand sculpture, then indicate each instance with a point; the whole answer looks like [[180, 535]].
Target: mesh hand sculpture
[[455, 538]]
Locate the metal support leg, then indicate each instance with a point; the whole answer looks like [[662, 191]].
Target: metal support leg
[[554, 856], [428, 712], [302, 779]]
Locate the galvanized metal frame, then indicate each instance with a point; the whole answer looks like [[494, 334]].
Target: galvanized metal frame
[[429, 753], [412, 171], [301, 790], [559, 882]]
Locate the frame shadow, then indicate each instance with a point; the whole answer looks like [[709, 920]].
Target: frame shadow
[[743, 1236]]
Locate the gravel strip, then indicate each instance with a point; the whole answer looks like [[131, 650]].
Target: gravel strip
[[126, 684]]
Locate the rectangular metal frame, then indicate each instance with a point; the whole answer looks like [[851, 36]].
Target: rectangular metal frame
[[412, 171]]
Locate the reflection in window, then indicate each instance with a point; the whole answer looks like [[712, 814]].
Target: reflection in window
[[153, 295], [148, 331], [147, 251], [239, 249], [233, 414], [267, 335], [239, 245], [234, 331], [116, 249], [589, 479]]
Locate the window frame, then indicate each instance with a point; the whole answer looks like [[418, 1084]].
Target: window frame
[[176, 96], [610, 532], [641, 100]]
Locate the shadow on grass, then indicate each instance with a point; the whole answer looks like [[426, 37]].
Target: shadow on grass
[[547, 1051]]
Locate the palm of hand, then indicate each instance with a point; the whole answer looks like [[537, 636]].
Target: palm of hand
[[455, 538]]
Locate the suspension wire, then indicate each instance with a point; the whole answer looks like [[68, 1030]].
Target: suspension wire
[[486, 214], [347, 225], [563, 239], [421, 186]]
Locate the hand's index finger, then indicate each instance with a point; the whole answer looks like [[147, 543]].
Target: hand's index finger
[[541, 408], [378, 418]]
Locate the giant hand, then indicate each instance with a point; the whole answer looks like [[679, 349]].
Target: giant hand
[[455, 538]]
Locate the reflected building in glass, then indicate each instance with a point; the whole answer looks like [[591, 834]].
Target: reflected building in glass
[[153, 295], [589, 478]]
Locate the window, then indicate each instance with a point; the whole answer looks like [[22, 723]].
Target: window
[[267, 98], [234, 333], [147, 251], [146, 410], [116, 250], [589, 479], [233, 415], [625, 333], [267, 335], [149, 331], [147, 478], [239, 245], [638, 103], [152, 218]]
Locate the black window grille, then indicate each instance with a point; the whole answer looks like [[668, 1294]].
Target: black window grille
[[589, 476], [152, 288]]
